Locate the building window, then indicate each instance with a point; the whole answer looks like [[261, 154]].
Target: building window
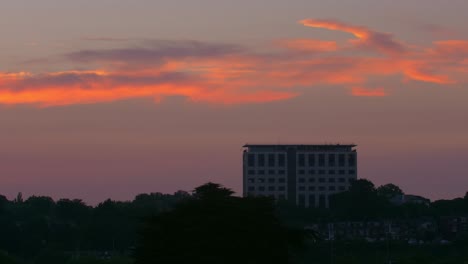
[[251, 160], [301, 188], [261, 180], [322, 180], [271, 188], [341, 179], [351, 172], [321, 188], [321, 172], [312, 172], [301, 180], [322, 201], [251, 172], [350, 180], [331, 160], [331, 172], [271, 180], [331, 188], [251, 188], [341, 160], [312, 188], [311, 179], [271, 160], [301, 200], [351, 160], [281, 172], [281, 188], [311, 200], [261, 160], [342, 188], [341, 172], [261, 172], [331, 179], [281, 160], [251, 180], [321, 160], [301, 160], [311, 160], [301, 172], [271, 172], [281, 180]]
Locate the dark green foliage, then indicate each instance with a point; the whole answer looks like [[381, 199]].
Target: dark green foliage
[[389, 191], [362, 199], [361, 252], [40, 230], [6, 259], [95, 260], [215, 227]]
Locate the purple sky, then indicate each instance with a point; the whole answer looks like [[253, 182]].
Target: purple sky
[[108, 99]]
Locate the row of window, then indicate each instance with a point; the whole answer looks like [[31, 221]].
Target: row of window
[[322, 200], [300, 188], [260, 160], [311, 160], [302, 172], [300, 180], [270, 180], [322, 188], [323, 180], [264, 188], [329, 172]]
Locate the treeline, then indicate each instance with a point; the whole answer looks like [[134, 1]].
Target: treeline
[[37, 227], [209, 224], [364, 201]]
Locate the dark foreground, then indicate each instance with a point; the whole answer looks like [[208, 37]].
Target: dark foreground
[[211, 225]]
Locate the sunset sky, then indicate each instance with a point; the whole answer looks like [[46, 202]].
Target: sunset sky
[[111, 98]]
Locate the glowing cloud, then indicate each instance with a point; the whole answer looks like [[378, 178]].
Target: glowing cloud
[[65, 88], [230, 74], [311, 45], [381, 41]]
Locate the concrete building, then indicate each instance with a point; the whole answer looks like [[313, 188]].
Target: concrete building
[[306, 174]]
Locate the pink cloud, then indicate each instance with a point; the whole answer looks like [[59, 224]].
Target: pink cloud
[[230, 74]]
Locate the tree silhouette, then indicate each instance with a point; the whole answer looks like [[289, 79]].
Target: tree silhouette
[[389, 191], [215, 227], [361, 201]]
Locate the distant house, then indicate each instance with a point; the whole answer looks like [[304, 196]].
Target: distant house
[[409, 199]]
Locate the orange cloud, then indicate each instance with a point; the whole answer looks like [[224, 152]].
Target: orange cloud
[[229, 74], [419, 75], [65, 88], [311, 45], [381, 41], [369, 92], [457, 48]]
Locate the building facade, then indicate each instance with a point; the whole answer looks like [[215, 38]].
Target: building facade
[[306, 174]]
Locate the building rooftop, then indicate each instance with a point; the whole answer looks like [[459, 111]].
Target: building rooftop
[[300, 145], [328, 147]]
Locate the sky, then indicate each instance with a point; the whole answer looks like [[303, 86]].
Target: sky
[[112, 98]]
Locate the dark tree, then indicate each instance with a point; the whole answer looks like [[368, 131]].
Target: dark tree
[[215, 227], [389, 191], [361, 201], [3, 203]]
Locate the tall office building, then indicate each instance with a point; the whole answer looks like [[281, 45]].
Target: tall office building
[[306, 174]]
